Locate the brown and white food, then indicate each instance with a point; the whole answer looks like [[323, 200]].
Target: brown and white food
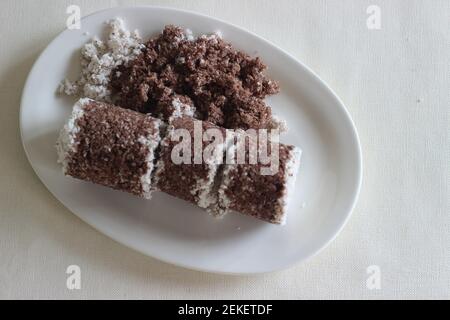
[[227, 86], [193, 178], [110, 146], [170, 83], [244, 187], [98, 60]]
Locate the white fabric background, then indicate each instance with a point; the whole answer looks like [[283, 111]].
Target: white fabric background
[[396, 85]]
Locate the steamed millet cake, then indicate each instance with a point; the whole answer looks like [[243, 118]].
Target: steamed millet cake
[[192, 178], [110, 146], [117, 148], [171, 82], [248, 189]]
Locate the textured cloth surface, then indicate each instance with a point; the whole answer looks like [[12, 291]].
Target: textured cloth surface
[[395, 82]]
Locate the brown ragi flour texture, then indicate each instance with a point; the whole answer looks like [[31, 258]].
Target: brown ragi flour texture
[[245, 190], [226, 86], [111, 150], [122, 149], [193, 182]]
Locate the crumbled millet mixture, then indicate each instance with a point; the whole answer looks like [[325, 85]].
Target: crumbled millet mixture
[[226, 86], [211, 80]]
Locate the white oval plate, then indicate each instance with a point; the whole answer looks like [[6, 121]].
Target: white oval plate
[[172, 230]]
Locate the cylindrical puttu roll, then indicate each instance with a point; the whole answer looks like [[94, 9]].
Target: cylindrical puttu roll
[[191, 155], [110, 146], [255, 188], [123, 149]]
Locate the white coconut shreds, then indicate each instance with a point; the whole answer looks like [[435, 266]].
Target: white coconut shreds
[[181, 109], [99, 58], [291, 171], [204, 188], [66, 142], [151, 142], [278, 123]]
